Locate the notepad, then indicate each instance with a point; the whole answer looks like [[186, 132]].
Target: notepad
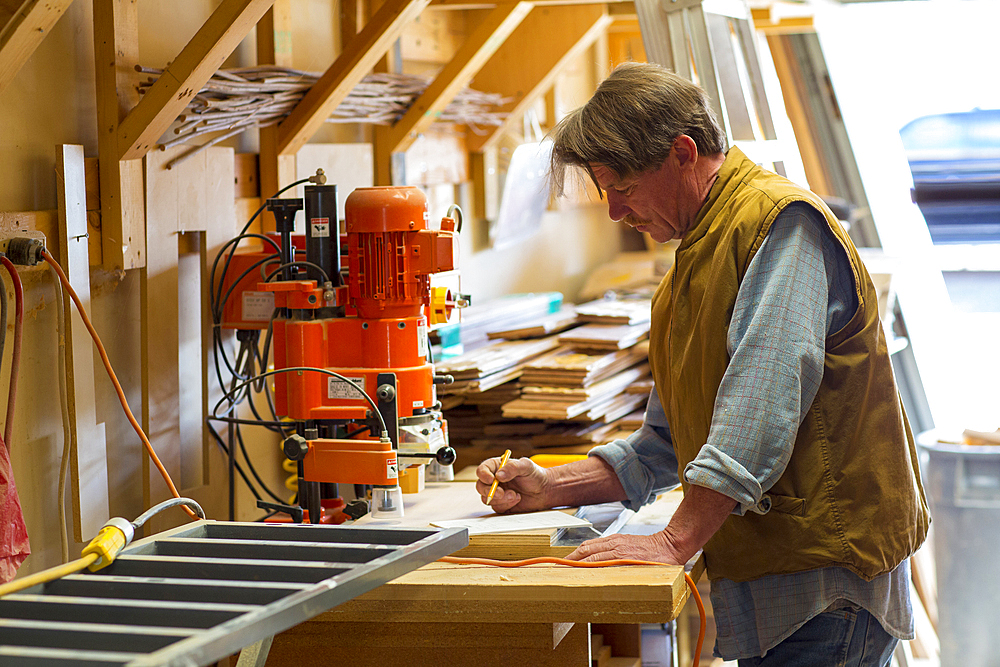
[[513, 523]]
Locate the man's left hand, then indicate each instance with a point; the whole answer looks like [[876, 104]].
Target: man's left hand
[[656, 547]]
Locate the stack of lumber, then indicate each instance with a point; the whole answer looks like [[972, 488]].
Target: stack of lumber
[[550, 394], [565, 318], [508, 312], [606, 400], [491, 366]]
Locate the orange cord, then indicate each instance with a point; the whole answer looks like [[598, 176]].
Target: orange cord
[[550, 560], [114, 380]]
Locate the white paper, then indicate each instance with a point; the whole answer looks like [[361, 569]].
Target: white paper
[[514, 523]]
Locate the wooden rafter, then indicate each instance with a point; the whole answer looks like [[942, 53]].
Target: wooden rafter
[[473, 54], [356, 60], [528, 62], [203, 55], [23, 26]]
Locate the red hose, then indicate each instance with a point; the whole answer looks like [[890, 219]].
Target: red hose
[[15, 360]]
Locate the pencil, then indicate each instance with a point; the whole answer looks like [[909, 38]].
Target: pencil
[[493, 487]]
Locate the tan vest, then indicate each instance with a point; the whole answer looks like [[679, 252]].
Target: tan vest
[[851, 495]]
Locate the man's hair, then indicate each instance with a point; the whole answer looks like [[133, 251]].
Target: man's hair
[[632, 121]]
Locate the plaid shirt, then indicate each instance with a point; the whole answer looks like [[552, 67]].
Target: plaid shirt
[[797, 289]]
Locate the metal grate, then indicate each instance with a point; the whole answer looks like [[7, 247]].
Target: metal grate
[[196, 594]]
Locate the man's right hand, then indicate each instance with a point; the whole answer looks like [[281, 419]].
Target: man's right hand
[[522, 488]]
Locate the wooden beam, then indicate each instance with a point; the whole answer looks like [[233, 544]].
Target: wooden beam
[[116, 52], [528, 62], [203, 55], [457, 5], [274, 47], [23, 26], [470, 57], [89, 456], [356, 59]]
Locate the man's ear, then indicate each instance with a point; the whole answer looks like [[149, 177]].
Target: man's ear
[[687, 150]]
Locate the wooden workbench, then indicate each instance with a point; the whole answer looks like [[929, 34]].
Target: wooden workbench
[[457, 615]]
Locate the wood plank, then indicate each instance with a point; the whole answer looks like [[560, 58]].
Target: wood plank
[[479, 47], [527, 63], [196, 63], [356, 59], [116, 52], [88, 446], [195, 197], [551, 593], [22, 29]]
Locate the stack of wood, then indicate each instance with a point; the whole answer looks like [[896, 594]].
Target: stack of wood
[[558, 393]]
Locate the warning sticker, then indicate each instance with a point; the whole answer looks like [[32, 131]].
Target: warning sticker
[[257, 306], [320, 227], [391, 469], [337, 388]]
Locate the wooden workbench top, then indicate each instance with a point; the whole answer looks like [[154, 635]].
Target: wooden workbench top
[[442, 592]]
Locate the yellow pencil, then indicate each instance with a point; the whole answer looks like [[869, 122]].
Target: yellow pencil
[[493, 487]]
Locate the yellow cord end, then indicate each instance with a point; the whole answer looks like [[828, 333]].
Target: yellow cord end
[[111, 539]]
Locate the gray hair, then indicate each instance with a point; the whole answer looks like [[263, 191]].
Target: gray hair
[[631, 122]]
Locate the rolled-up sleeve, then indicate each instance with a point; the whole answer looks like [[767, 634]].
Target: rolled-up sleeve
[[777, 346], [645, 462]]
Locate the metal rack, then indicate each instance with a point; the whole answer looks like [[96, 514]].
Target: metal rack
[[199, 593]]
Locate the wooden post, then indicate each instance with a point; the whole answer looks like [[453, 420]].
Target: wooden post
[[89, 456], [116, 52], [274, 47]]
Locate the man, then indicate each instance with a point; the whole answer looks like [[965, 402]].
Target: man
[[774, 402]]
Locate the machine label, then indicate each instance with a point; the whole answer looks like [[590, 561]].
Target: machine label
[[418, 404], [422, 340], [337, 388], [320, 227], [391, 469], [257, 306]]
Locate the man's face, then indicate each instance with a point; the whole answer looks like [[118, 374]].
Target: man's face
[[648, 201]]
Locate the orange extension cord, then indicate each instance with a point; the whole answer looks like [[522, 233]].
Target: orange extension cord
[[548, 560], [114, 380]]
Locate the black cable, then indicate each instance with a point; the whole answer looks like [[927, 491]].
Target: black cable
[[296, 369], [253, 470], [246, 422], [326, 278], [243, 232], [239, 469]]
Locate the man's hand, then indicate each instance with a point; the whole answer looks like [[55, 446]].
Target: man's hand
[[522, 488], [656, 547]]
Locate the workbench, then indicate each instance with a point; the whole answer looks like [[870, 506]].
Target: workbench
[[457, 615]]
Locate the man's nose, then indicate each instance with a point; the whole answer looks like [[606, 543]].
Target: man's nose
[[616, 206]]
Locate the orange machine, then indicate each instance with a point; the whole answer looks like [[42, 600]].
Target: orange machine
[[351, 361]]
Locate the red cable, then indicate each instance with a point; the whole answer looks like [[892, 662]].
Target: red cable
[[549, 560], [114, 380], [15, 360]]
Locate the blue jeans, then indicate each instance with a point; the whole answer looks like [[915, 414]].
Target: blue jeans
[[841, 638]]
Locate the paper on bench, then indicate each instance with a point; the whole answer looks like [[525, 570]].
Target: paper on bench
[[514, 523]]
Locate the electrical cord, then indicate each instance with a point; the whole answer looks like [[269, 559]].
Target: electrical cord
[[296, 369], [15, 360], [548, 560], [64, 410], [310, 265], [114, 536], [167, 504], [114, 378]]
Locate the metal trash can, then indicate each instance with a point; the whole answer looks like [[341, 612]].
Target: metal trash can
[[963, 488]]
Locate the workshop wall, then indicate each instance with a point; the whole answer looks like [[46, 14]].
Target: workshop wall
[[52, 101]]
